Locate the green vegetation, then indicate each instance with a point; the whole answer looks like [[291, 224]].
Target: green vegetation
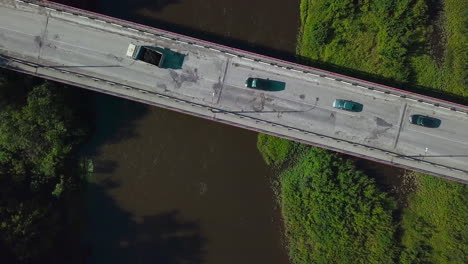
[[435, 223], [38, 170], [393, 39], [276, 151], [371, 36], [448, 73], [334, 213]]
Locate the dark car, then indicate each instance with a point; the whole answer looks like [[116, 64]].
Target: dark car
[[347, 105], [425, 121], [264, 84]]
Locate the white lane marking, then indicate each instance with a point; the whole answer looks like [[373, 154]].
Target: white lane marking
[[329, 78], [264, 63], [314, 74], [441, 137], [444, 107], [149, 34], [214, 50], [378, 91], [132, 29], [19, 1], [347, 82], [411, 99], [164, 38], [117, 25], [180, 41], [51, 9], [196, 45], [98, 20], [66, 13], [396, 95], [360, 86], [31, 4], [248, 59], [230, 54], [295, 70]]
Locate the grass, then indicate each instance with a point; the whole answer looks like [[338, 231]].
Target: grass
[[277, 151], [390, 39], [435, 223]]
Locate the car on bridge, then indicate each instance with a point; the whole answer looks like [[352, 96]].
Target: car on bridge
[[265, 84], [347, 105], [425, 121]]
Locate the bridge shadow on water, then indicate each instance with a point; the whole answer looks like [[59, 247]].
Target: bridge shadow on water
[[115, 236], [114, 120]]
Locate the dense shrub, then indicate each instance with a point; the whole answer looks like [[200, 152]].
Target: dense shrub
[[334, 213], [435, 223], [38, 131]]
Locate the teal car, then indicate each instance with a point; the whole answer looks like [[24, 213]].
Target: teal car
[[347, 105], [264, 84], [425, 121]]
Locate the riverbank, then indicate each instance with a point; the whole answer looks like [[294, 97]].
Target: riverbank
[[42, 125], [327, 203]]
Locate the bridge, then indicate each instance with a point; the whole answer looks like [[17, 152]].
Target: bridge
[[88, 50]]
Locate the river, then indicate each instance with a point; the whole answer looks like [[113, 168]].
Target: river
[[172, 188]]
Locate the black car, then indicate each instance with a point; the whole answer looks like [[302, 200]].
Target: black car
[[425, 121]]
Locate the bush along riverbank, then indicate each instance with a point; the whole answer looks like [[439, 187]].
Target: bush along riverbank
[[334, 213], [40, 130]]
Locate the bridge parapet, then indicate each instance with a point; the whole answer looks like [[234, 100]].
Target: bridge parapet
[[210, 85]]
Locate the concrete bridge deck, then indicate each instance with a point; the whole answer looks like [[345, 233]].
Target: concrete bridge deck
[[89, 50]]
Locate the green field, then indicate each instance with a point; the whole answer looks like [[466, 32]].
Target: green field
[[395, 40], [435, 223]]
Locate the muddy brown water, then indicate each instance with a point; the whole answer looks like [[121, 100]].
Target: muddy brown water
[[172, 188]]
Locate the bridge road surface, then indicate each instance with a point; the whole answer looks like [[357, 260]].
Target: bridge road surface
[[87, 50]]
